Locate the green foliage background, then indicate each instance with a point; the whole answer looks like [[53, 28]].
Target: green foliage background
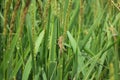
[[59, 39]]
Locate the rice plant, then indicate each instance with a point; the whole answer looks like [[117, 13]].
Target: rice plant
[[59, 39]]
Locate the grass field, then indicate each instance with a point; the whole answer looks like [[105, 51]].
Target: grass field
[[59, 39]]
